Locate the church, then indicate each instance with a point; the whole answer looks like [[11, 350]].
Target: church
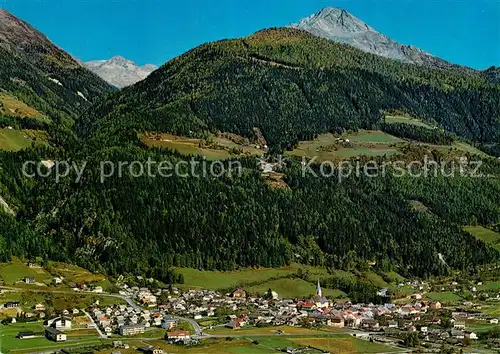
[[319, 300]]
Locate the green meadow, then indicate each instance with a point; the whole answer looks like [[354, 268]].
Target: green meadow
[[488, 236], [363, 143]]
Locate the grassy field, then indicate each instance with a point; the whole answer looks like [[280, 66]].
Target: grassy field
[[292, 288], [394, 277], [457, 145], [484, 234], [489, 286], [375, 279], [15, 271], [11, 106], [222, 147], [344, 345], [265, 277], [12, 344], [481, 327], [250, 330], [463, 146], [446, 296], [269, 345], [365, 142], [60, 297], [74, 274], [224, 280], [389, 119], [372, 136], [258, 281], [13, 140], [57, 301], [330, 147]]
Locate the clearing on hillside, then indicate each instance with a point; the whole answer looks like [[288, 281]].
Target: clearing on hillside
[[74, 274], [14, 140], [488, 236], [223, 280], [11, 106], [17, 270], [328, 147], [393, 119], [215, 147]]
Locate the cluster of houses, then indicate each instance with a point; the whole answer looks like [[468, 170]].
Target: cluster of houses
[[38, 311], [129, 321], [134, 321], [145, 296], [415, 316], [386, 321]]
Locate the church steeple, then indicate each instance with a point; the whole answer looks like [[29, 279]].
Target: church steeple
[[319, 293]]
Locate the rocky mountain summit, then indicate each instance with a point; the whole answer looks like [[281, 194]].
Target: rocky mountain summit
[[119, 71], [340, 26]]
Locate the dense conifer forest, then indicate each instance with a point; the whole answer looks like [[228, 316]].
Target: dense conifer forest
[[291, 86]]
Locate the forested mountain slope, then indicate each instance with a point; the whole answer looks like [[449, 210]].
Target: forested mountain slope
[[493, 74], [146, 225], [292, 86], [38, 73]]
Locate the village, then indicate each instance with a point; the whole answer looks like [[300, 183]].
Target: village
[[190, 316]]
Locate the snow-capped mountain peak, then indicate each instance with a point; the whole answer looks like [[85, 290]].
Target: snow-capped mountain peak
[[340, 26], [119, 71]]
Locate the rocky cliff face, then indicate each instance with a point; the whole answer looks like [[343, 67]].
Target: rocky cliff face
[[120, 72]]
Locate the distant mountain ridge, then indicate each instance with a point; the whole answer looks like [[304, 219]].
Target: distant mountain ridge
[[119, 71], [275, 65], [340, 26]]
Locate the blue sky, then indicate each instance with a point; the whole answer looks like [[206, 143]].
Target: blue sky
[[465, 32]]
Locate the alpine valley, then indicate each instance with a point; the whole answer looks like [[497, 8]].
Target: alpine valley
[[329, 86]]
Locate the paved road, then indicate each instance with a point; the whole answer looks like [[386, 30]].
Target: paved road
[[102, 335], [196, 326]]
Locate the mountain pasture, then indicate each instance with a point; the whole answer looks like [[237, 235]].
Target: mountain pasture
[[213, 148], [329, 147]]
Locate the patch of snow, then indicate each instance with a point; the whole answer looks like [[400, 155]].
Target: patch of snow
[[441, 258], [55, 81], [6, 207], [82, 95]]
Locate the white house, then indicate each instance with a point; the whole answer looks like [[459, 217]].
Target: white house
[[60, 323], [97, 289], [55, 335], [471, 335]]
